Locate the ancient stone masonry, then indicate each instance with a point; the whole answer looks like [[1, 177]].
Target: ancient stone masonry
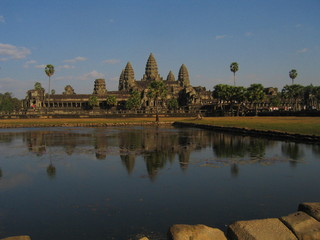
[[99, 87], [151, 73], [68, 90], [187, 96], [184, 76], [180, 89]]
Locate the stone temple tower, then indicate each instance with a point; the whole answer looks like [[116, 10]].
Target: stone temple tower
[[170, 77], [183, 77], [99, 87], [151, 72], [126, 80]]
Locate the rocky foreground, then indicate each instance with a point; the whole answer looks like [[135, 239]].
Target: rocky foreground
[[301, 225]]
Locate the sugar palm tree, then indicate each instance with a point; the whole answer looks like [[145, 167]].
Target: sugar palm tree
[[157, 91], [234, 67], [293, 74], [49, 70]]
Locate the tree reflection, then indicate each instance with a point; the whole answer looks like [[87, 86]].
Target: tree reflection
[[293, 151], [231, 146], [316, 150], [234, 170], [51, 170]]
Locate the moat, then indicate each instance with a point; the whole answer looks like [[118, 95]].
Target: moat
[[116, 183]]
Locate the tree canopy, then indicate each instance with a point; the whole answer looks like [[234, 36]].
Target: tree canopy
[[134, 101], [8, 103], [293, 74]]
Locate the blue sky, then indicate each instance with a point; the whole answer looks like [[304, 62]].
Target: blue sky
[[89, 39]]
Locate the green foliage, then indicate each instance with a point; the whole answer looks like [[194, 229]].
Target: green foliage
[[53, 92], [157, 90], [173, 104], [111, 100], [292, 91], [49, 70], [38, 86], [255, 93], [234, 67], [222, 92], [8, 103], [293, 74], [134, 101], [93, 101], [275, 100], [238, 94]]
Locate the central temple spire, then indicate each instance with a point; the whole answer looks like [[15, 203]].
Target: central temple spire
[[151, 72]]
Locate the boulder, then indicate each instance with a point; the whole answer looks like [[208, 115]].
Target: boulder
[[262, 229], [304, 226], [194, 232], [313, 209], [17, 238]]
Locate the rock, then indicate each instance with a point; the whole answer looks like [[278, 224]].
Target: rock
[[313, 209], [17, 238], [143, 238], [304, 226], [263, 229], [194, 232]]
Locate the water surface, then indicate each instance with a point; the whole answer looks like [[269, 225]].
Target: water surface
[[117, 183]]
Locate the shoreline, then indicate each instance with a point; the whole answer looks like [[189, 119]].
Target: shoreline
[[254, 132], [273, 134]]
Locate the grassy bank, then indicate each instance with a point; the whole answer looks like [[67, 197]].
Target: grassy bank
[[80, 121], [295, 125], [300, 125]]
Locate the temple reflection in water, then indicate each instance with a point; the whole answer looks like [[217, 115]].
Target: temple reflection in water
[[158, 147]]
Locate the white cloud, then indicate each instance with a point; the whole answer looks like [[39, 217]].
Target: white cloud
[[111, 61], [66, 66], [91, 75], [220, 37], [303, 50], [40, 66], [298, 25], [249, 34], [2, 19], [111, 20], [30, 62], [76, 59], [8, 51]]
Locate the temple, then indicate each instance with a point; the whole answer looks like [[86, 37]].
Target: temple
[[187, 96]]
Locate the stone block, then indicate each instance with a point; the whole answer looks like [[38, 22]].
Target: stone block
[[313, 209], [17, 238], [304, 226], [194, 232], [262, 229]]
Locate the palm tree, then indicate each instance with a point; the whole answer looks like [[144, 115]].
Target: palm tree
[[234, 67], [49, 70], [293, 74], [157, 91]]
